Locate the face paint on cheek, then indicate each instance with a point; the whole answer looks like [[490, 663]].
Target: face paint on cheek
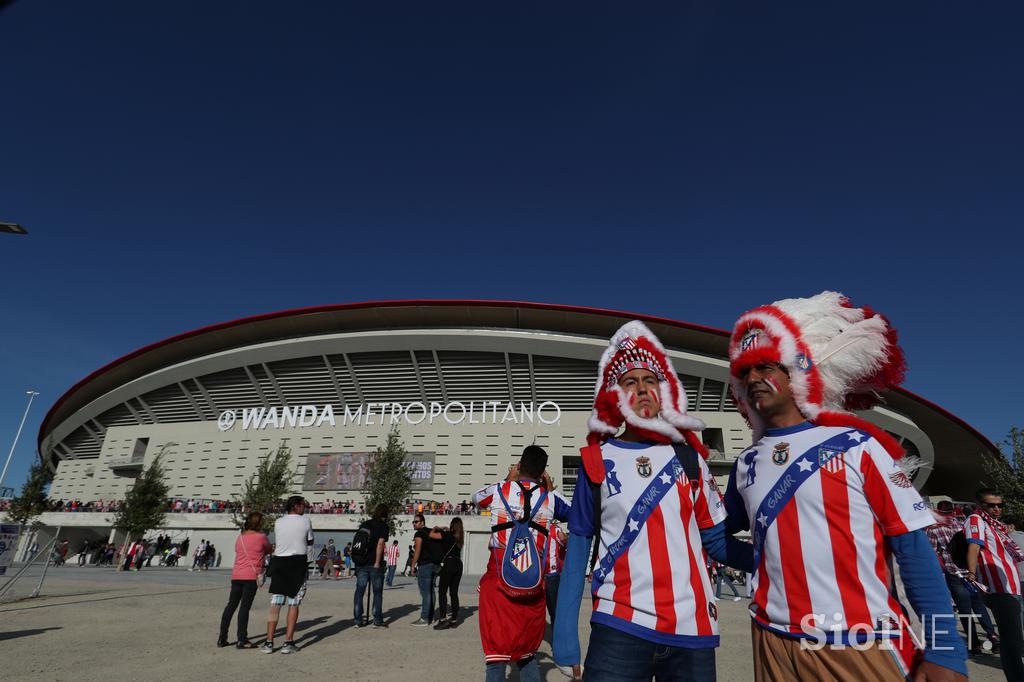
[[772, 386]]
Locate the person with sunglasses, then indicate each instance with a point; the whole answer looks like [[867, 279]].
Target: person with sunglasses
[[992, 561]]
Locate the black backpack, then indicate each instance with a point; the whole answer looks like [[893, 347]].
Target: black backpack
[[958, 549], [362, 551]]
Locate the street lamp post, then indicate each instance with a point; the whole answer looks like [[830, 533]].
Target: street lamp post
[[31, 396]]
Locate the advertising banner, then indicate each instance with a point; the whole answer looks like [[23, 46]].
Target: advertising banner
[[8, 544], [348, 470]]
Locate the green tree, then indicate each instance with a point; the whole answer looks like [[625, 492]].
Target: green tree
[[145, 503], [267, 487], [1006, 474], [389, 479], [31, 501]]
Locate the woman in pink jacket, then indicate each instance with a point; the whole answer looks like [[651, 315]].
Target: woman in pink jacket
[[250, 549]]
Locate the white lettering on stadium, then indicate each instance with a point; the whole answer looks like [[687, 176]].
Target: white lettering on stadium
[[390, 414]]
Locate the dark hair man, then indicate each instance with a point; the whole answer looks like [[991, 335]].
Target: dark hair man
[[293, 536], [512, 623], [651, 501], [992, 560], [369, 568], [827, 504], [969, 606]]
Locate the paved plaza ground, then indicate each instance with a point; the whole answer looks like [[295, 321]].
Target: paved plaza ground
[[161, 624]]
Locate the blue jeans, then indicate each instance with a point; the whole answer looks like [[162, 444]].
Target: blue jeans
[[374, 576], [425, 576], [551, 594], [391, 574], [968, 604], [528, 671], [723, 579], [614, 656]]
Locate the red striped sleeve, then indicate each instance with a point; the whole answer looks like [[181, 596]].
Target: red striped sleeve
[[877, 493]]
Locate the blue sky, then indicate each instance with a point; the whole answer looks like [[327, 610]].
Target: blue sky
[[185, 164]]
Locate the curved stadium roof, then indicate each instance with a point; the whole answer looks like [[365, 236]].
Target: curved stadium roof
[[75, 425]]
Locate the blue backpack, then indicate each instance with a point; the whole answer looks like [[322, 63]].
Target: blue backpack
[[522, 569]]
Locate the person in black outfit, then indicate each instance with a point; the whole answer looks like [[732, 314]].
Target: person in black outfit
[[370, 569], [451, 541], [426, 557]]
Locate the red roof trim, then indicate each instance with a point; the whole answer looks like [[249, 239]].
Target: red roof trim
[[358, 306]]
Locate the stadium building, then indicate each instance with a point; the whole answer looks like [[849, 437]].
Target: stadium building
[[468, 384]]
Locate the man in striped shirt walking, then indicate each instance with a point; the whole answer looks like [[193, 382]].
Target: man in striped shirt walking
[[391, 554], [992, 560]]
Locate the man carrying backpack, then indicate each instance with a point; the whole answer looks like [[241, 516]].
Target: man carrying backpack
[[650, 500], [512, 604], [992, 560], [368, 554]]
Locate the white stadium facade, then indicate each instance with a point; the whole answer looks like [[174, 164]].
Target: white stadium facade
[[468, 384]]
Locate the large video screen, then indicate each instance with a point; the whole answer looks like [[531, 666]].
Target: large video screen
[[348, 470]]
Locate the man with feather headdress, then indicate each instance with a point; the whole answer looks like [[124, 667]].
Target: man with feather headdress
[[828, 504]]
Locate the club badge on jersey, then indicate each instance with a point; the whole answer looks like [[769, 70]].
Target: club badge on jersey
[[780, 453], [831, 460], [643, 467]]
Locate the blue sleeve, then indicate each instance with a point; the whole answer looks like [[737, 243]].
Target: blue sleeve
[[736, 519], [561, 509], [581, 512], [565, 646], [926, 589], [725, 549]]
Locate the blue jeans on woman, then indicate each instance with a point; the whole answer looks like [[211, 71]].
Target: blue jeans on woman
[[425, 575], [614, 656]]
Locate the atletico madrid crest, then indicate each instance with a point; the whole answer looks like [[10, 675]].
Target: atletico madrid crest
[[521, 556], [712, 610], [831, 460], [643, 467], [780, 453]]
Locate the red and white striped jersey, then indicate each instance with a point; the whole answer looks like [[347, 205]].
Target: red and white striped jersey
[[555, 507], [997, 560], [824, 564], [650, 579], [391, 554], [556, 552]]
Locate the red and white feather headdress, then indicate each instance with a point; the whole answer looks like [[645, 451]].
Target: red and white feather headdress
[[634, 347], [838, 357]]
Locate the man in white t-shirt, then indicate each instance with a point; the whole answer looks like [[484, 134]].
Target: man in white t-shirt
[[293, 536]]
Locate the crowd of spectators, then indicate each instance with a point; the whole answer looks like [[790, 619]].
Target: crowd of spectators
[[205, 506]]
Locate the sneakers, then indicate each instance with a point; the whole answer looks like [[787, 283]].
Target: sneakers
[[420, 623], [442, 625], [359, 623], [736, 598], [289, 648], [268, 647], [377, 626]]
